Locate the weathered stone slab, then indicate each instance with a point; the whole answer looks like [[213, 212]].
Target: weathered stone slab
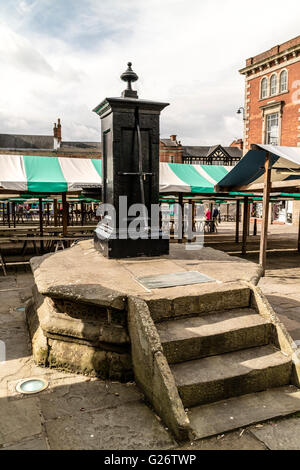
[[239, 440], [280, 435], [190, 338], [212, 378], [70, 399], [211, 298], [65, 275], [234, 413], [75, 357], [38, 443], [129, 427], [107, 282], [92, 326], [19, 419]]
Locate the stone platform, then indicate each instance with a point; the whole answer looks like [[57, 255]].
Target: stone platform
[[78, 315], [187, 347]]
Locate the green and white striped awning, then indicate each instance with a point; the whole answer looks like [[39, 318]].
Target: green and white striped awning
[[48, 174], [35, 174], [184, 178]]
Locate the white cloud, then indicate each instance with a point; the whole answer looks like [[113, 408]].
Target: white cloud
[[26, 6], [186, 52]]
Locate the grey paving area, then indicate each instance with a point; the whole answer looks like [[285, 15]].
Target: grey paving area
[[280, 435], [77, 412], [282, 288]]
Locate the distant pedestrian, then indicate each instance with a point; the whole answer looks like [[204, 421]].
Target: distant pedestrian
[[207, 214], [99, 213], [215, 213]]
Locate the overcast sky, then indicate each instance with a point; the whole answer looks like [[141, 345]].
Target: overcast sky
[[60, 58]]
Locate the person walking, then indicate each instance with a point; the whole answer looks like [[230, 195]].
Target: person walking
[[215, 213]]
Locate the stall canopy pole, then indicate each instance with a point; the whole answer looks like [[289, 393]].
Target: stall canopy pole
[[8, 213], [181, 220], [245, 225], [48, 213], [255, 227], [237, 221], [55, 212], [65, 214], [266, 202], [82, 213], [193, 216], [41, 222], [14, 213], [248, 219]]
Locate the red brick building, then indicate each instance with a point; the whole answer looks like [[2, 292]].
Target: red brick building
[[272, 96], [170, 150]]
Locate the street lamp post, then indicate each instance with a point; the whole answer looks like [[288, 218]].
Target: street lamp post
[[240, 111]]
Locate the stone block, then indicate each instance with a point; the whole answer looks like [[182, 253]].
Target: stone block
[[75, 357]]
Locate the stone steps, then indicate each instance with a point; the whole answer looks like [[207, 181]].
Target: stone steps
[[193, 352], [207, 298], [234, 413], [214, 378], [213, 334]]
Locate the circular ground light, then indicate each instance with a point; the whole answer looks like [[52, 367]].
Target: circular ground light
[[32, 385]]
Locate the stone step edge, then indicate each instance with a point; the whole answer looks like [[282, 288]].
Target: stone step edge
[[208, 314], [245, 401], [225, 297], [262, 323], [249, 372], [255, 344]]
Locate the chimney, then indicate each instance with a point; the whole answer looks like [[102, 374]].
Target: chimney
[[59, 131], [173, 138], [55, 131], [238, 143], [57, 135]]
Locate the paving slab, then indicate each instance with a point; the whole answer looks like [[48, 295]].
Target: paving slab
[[238, 440], [19, 420], [9, 300], [128, 427], [75, 398], [7, 282], [16, 338], [38, 443], [280, 435]]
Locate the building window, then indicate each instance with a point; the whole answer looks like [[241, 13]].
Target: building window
[[273, 85], [264, 88], [283, 81], [171, 159], [272, 133], [229, 161]]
